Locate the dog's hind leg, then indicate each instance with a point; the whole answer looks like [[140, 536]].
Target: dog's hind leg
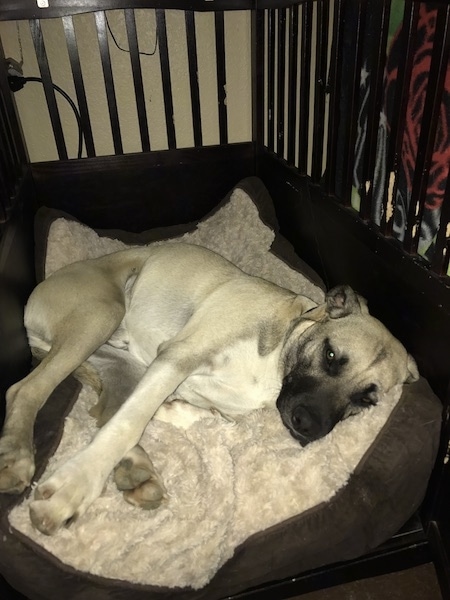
[[25, 398], [73, 339], [70, 314]]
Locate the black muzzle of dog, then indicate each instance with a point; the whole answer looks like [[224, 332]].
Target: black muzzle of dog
[[306, 410]]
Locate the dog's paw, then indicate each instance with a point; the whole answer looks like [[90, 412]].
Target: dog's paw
[[136, 476], [148, 496], [16, 466], [65, 496]]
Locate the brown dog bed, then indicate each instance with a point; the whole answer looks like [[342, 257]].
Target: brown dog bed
[[246, 504]]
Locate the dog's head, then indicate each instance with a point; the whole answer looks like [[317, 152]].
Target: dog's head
[[339, 365]]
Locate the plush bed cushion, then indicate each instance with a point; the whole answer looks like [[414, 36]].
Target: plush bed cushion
[[284, 509], [246, 238]]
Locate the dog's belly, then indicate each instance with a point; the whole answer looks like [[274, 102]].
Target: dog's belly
[[238, 381]]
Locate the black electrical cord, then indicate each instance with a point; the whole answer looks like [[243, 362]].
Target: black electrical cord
[[72, 105], [17, 82]]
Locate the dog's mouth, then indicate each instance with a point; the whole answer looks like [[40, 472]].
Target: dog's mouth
[[304, 441], [295, 429]]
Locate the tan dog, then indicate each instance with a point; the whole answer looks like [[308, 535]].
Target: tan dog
[[178, 321]]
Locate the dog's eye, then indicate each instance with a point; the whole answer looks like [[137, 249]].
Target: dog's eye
[[328, 352], [330, 355], [333, 361]]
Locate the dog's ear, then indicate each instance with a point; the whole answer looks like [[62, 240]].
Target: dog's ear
[[342, 301], [413, 371]]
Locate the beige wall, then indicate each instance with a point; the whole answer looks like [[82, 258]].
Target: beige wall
[[31, 102]]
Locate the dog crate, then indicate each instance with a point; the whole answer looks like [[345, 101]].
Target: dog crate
[[145, 114]]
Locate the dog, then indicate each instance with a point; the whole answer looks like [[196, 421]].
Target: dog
[[177, 321]]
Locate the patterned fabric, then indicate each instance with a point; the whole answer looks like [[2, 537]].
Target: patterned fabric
[[441, 156]]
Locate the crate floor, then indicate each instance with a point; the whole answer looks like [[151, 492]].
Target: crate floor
[[419, 583]]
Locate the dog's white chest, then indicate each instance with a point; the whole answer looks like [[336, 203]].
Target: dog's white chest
[[236, 381]]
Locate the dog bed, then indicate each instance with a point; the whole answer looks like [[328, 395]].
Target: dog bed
[[246, 504]]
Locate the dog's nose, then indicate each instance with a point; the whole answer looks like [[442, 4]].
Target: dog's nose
[[306, 424]]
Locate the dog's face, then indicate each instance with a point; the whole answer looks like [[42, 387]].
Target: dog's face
[[338, 366]]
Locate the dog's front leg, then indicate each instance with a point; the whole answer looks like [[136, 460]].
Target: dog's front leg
[[78, 482]]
